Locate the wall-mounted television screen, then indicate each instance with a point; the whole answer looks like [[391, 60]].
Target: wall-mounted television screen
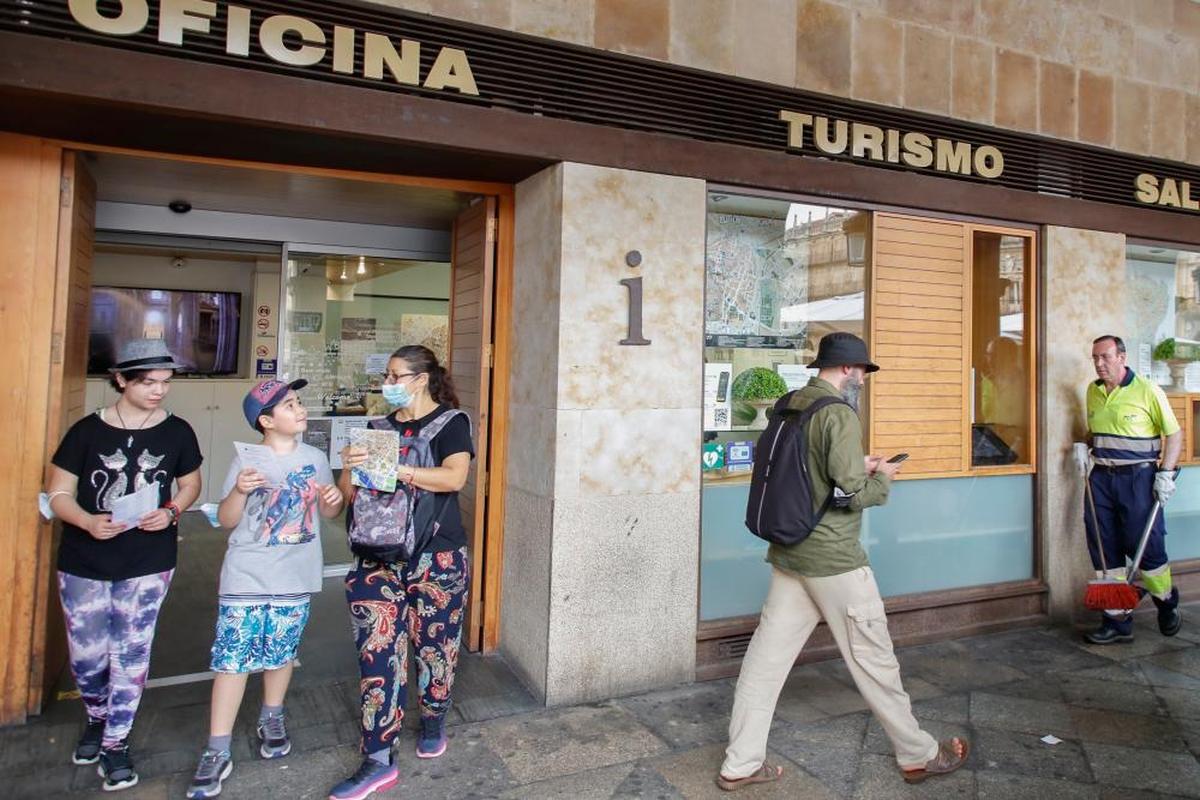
[[201, 329]]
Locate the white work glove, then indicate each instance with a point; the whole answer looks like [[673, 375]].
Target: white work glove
[[1083, 458], [1164, 485]]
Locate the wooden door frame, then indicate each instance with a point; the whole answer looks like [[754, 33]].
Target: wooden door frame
[[505, 195]]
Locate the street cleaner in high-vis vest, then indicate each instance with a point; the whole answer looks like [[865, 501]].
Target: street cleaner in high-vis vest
[[1128, 418]]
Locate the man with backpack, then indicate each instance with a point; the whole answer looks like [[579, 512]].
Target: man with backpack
[[821, 572]]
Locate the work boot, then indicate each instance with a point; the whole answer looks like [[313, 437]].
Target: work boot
[[1170, 618], [1111, 631]]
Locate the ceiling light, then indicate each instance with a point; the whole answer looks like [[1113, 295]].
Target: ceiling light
[[344, 271], [362, 265]]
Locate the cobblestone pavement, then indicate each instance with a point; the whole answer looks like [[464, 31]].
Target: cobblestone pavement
[[1128, 717]]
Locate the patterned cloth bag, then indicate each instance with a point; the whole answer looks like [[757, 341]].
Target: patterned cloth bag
[[395, 526]]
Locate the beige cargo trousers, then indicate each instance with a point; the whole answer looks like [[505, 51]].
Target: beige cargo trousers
[[852, 608]]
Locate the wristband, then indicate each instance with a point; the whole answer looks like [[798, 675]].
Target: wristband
[[173, 510]]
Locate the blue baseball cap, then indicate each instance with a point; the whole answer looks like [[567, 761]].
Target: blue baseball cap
[[263, 397]]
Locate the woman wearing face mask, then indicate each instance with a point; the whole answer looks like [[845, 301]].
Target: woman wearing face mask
[[399, 592]]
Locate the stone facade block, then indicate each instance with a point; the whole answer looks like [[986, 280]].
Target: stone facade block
[[927, 66], [1158, 14], [1030, 26], [606, 476], [974, 67], [702, 34], [1132, 116], [1058, 100], [638, 633], [1193, 129], [640, 27], [1187, 19], [764, 47], [955, 16], [1080, 268], [1016, 90], [824, 46], [564, 20], [878, 46], [1168, 124], [1096, 108]]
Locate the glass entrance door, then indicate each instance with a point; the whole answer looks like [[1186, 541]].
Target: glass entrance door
[[343, 313]]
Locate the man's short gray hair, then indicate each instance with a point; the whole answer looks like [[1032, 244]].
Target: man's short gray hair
[[1108, 337]]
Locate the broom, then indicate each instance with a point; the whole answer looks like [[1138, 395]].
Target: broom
[[1111, 593]]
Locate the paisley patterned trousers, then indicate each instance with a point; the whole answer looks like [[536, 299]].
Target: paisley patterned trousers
[[110, 628], [390, 605]]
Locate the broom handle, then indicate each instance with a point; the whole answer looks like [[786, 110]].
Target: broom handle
[[1087, 486], [1137, 558]]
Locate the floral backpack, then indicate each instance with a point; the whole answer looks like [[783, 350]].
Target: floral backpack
[[395, 526]]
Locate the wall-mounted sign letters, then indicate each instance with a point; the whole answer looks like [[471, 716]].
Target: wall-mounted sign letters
[[837, 137], [1156, 191], [634, 329], [286, 39]]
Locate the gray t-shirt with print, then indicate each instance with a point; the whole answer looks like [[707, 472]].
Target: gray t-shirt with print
[[276, 547]]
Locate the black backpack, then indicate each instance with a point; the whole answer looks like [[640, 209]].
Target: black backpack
[[781, 491]]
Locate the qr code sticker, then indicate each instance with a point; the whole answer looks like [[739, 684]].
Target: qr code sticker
[[720, 417]]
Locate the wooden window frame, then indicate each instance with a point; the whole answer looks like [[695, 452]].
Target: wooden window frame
[[968, 228]]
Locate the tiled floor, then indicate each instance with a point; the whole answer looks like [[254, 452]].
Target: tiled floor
[[1128, 717]]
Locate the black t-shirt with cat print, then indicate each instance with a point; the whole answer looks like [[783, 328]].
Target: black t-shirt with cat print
[[111, 462]]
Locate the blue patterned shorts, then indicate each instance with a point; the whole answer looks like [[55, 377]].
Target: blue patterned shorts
[[258, 636]]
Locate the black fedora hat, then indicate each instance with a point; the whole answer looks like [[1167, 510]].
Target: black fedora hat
[[843, 350]]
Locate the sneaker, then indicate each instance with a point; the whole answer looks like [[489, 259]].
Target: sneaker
[[116, 767], [211, 772], [1170, 618], [87, 751], [273, 733], [1111, 631], [370, 777], [431, 741]]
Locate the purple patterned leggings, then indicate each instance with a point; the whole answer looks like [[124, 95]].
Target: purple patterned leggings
[[110, 627]]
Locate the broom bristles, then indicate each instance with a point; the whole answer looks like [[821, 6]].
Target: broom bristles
[[1103, 595]]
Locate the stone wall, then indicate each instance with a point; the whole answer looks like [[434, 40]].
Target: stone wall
[[1123, 74], [603, 496], [1079, 270]]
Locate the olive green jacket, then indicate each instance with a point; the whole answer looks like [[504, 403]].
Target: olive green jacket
[[835, 455]]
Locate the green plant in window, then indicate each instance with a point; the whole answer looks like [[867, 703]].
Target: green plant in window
[[759, 383], [1164, 350]]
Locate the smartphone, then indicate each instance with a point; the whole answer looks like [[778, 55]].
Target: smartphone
[[896, 459], [722, 387]]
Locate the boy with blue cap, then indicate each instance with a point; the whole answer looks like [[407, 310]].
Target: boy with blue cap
[[271, 568]]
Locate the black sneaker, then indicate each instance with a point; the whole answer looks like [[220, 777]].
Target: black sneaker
[[116, 767], [211, 772], [87, 751], [1111, 631], [1170, 618]]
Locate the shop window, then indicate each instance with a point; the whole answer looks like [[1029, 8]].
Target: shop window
[[943, 305], [1000, 359], [779, 276], [1162, 341]]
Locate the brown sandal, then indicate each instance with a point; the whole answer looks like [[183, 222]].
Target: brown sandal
[[767, 773], [945, 762]]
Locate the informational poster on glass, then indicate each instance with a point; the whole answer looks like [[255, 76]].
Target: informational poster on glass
[[331, 434], [717, 405], [795, 375]]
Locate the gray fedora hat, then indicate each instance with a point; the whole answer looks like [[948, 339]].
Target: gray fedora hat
[[843, 350], [139, 354]]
